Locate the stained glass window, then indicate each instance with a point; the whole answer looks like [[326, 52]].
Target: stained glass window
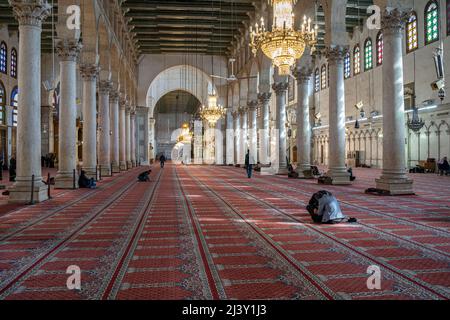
[[2, 103], [14, 63], [368, 55], [324, 76], [347, 65], [316, 80], [448, 17], [14, 104], [431, 22], [411, 33], [356, 60], [3, 58], [380, 48]]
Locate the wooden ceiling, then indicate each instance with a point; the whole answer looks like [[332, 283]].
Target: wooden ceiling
[[189, 27]]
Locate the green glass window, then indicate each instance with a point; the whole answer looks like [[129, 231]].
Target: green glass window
[[431, 22]]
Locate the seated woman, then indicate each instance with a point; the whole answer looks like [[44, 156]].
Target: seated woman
[[144, 176], [85, 182], [444, 166], [291, 172], [324, 208]]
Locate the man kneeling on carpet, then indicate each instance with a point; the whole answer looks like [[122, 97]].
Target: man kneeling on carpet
[[324, 208], [144, 176]]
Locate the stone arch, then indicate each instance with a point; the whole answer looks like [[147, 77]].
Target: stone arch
[[253, 88], [172, 78], [103, 42], [243, 90]]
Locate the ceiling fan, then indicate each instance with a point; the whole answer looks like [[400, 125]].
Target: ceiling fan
[[232, 77]]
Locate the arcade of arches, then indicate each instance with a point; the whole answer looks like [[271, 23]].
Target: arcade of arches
[[112, 97]]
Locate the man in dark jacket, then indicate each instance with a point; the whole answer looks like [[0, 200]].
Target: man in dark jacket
[[162, 160]]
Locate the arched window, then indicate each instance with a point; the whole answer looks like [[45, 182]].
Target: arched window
[[347, 65], [14, 104], [431, 22], [368, 55], [2, 103], [14, 63], [448, 17], [356, 60], [3, 58], [411, 33], [323, 76], [380, 48], [316, 80]]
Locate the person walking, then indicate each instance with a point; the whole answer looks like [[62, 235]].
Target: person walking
[[249, 162], [162, 160]]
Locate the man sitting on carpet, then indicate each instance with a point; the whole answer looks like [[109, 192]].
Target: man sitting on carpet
[[444, 166], [85, 182], [324, 208]]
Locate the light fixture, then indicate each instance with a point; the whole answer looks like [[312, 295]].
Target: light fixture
[[213, 112], [283, 45], [415, 124]]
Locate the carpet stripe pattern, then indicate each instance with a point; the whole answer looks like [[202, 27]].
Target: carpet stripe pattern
[[204, 232]]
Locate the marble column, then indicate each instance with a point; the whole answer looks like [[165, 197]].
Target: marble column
[[243, 134], [303, 77], [280, 89], [68, 51], [89, 74], [122, 135], [114, 109], [133, 138], [149, 139], [336, 147], [104, 156], [264, 132], [253, 130], [30, 16], [128, 137], [237, 137], [229, 138], [393, 176]]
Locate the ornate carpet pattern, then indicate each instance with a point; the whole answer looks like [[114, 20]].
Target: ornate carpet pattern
[[204, 232]]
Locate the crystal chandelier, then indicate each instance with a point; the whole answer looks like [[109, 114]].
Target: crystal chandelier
[[213, 112], [416, 123], [283, 45]]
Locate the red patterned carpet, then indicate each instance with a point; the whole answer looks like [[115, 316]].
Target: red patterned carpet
[[204, 232]]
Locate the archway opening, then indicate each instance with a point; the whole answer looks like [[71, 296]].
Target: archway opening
[[174, 111]]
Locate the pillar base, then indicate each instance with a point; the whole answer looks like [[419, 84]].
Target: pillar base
[[64, 180], [129, 165], [133, 163], [339, 177], [304, 172], [123, 166], [281, 171], [395, 186], [90, 172], [115, 168], [106, 171], [20, 192]]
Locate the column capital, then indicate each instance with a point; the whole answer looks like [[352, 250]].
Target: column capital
[[114, 96], [123, 102], [242, 110], [235, 113], [251, 105], [264, 97], [393, 21], [30, 13], [89, 72], [104, 87], [303, 74], [280, 87], [152, 121], [68, 49], [336, 54]]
